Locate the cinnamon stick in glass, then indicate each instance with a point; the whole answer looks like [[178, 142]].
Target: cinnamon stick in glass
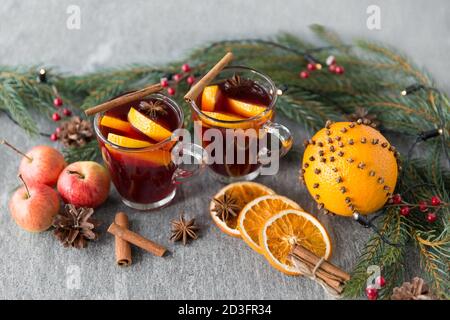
[[123, 248], [126, 98], [137, 240], [195, 90]]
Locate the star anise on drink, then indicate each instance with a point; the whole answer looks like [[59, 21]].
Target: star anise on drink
[[152, 108], [226, 207], [183, 230], [74, 226], [236, 81]]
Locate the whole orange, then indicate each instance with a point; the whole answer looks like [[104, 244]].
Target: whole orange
[[349, 167]]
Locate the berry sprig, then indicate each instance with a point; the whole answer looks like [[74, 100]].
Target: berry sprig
[[170, 82], [57, 103], [372, 290], [430, 208], [314, 65]]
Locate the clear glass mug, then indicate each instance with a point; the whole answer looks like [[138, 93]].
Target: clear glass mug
[[147, 178], [248, 166]]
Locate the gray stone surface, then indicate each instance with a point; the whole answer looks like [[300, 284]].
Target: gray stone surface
[[114, 33]]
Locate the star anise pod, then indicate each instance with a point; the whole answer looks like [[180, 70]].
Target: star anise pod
[[152, 108], [76, 132], [226, 207], [366, 117], [236, 81], [182, 229], [74, 226], [414, 290]]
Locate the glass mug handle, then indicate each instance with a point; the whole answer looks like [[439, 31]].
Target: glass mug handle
[[281, 133], [192, 151]]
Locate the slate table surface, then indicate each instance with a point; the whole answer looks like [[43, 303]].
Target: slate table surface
[[114, 33]]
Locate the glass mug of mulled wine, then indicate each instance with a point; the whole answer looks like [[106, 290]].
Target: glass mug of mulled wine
[[240, 105], [138, 142]]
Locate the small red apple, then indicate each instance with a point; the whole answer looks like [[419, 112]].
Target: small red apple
[[33, 208], [84, 184], [40, 165]]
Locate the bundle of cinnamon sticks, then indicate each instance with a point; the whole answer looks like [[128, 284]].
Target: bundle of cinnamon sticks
[[310, 265]]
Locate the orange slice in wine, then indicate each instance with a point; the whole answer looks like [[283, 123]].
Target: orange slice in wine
[[210, 96], [156, 158], [127, 142], [227, 119], [245, 109], [114, 123], [147, 126]]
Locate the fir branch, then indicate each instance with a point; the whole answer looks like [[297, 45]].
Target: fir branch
[[88, 152]]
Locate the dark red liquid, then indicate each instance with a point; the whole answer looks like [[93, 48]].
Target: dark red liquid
[[141, 177], [250, 92]]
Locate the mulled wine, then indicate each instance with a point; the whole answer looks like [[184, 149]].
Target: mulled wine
[[136, 147], [235, 102]]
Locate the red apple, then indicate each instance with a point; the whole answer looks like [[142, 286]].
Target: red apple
[[33, 208], [40, 165], [84, 184]]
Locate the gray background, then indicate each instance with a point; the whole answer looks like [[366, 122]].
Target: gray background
[[115, 33]]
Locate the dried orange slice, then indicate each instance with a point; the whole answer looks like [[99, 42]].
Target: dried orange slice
[[287, 228], [255, 214], [127, 142], [147, 126], [114, 123], [245, 109], [210, 97], [241, 193]]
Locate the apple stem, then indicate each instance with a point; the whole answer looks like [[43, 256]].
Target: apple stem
[[26, 187], [3, 141], [76, 172]]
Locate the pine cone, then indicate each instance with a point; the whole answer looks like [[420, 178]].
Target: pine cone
[[74, 226], [414, 290], [76, 132], [365, 116]]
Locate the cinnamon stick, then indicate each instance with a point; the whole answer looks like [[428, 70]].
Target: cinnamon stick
[[137, 240], [126, 98], [332, 277], [123, 248], [195, 90]]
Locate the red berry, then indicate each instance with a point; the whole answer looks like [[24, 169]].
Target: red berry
[[332, 68], [57, 102], [431, 217], [404, 211], [372, 293], [177, 77], [185, 67], [397, 199], [423, 206], [190, 80], [304, 74], [380, 281], [171, 91], [58, 130], [56, 116], [435, 201], [53, 137], [67, 112], [339, 70], [311, 66], [164, 82]]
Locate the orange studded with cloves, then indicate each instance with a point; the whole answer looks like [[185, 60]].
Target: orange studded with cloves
[[349, 167]]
